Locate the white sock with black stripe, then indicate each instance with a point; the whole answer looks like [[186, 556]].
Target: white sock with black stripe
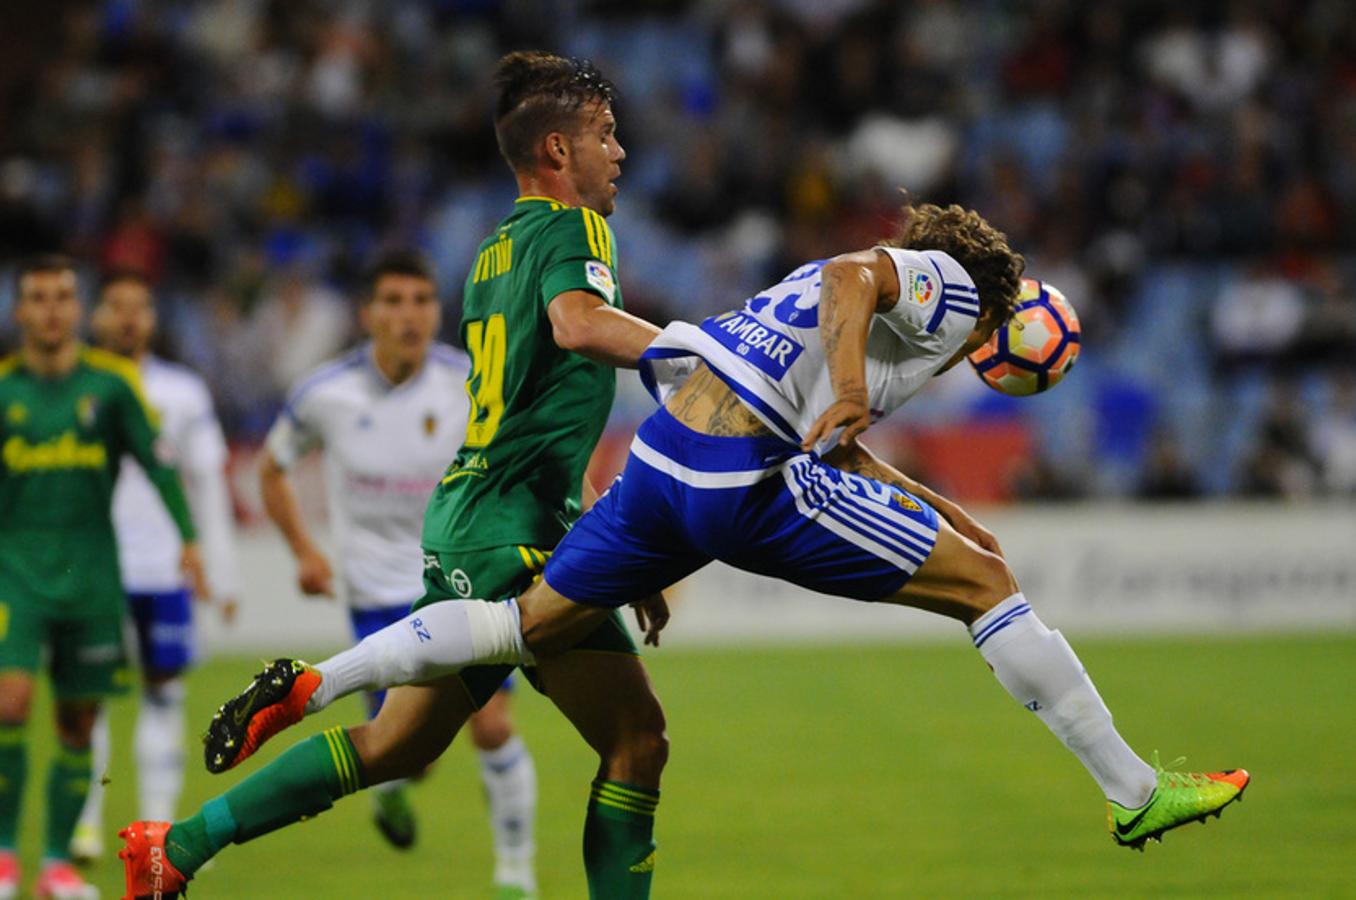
[[1039, 669]]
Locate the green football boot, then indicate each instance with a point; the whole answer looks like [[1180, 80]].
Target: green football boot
[[394, 816], [1179, 798]]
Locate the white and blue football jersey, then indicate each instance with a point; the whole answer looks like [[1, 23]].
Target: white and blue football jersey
[[770, 353], [385, 447], [148, 541]]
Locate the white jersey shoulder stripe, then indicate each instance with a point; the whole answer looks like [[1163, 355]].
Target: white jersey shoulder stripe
[[327, 372]]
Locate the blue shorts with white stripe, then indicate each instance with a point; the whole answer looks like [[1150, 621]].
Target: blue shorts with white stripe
[[757, 503]]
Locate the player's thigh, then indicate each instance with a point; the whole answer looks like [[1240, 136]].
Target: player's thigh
[[959, 578], [415, 725], [609, 699], [553, 623]]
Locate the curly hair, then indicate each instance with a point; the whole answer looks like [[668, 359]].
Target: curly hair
[[980, 248], [538, 93]]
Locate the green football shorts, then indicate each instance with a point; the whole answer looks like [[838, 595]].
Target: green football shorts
[[80, 632], [496, 574]]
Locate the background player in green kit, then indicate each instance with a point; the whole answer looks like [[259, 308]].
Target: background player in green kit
[[543, 325], [67, 415]]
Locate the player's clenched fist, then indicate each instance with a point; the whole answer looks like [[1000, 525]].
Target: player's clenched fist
[[314, 576]]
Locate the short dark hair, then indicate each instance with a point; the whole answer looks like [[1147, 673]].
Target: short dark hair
[[400, 261], [124, 273], [45, 262], [981, 249], [538, 93]]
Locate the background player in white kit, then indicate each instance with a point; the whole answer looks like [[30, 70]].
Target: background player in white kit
[[388, 415], [159, 597]]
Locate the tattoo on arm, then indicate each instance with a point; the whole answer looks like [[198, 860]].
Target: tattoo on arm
[[832, 325], [859, 463]]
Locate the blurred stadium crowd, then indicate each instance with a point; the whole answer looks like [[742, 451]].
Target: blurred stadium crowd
[[1185, 172]]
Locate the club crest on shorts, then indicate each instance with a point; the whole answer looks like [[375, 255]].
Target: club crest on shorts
[[430, 424], [16, 414], [906, 502]]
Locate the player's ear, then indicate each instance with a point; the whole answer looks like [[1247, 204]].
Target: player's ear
[[557, 150]]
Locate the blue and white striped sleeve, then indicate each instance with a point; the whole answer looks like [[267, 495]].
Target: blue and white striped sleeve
[[934, 290]]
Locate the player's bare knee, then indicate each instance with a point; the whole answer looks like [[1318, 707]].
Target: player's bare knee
[[490, 729], [75, 723], [995, 580], [386, 757], [16, 701], [641, 748], [638, 757]]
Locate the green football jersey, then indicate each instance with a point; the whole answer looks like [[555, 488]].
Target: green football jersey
[[536, 410], [61, 444]]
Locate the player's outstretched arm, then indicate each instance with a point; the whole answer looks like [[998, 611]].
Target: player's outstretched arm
[[280, 502], [856, 458], [582, 322], [856, 286]]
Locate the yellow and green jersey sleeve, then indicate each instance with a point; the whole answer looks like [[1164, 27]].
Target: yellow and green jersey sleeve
[[580, 255]]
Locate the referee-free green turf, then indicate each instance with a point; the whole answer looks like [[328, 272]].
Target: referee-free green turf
[[853, 772]]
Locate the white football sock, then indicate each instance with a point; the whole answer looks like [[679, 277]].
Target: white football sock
[[101, 747], [159, 742], [439, 639], [1040, 670], [511, 788]]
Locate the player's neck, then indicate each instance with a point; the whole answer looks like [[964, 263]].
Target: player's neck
[[549, 185], [395, 370], [53, 362]]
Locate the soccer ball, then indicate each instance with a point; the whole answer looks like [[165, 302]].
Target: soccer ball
[[1036, 348]]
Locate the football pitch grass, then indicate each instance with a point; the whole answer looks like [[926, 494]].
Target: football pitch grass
[[851, 772]]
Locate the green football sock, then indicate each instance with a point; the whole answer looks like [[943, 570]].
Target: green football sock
[[619, 841], [303, 782], [67, 788], [13, 776]]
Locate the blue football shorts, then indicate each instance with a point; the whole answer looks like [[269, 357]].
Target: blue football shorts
[[756, 503], [163, 621]]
